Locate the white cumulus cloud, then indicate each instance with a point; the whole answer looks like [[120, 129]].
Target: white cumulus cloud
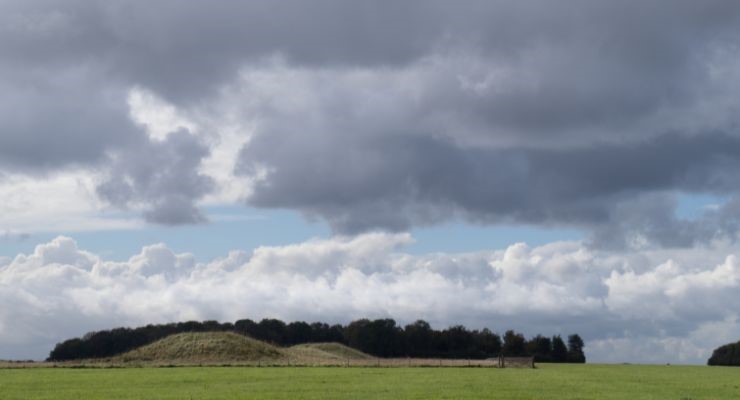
[[635, 308]]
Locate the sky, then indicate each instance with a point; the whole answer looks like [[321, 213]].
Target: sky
[[548, 167]]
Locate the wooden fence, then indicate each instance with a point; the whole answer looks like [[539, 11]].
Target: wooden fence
[[515, 362]]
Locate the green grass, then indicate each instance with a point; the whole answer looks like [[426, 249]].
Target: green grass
[[545, 382]]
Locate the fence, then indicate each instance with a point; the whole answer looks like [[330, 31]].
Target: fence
[[515, 362], [500, 362]]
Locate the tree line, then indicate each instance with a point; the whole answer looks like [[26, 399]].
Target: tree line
[[380, 338]]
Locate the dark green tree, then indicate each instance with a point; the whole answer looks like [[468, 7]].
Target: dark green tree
[[460, 342], [418, 339], [357, 335], [489, 343], [540, 347], [381, 337], [514, 344], [728, 355], [246, 327], [559, 351], [272, 331], [298, 332], [575, 349]]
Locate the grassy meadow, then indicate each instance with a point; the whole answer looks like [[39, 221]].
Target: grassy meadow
[[545, 382]]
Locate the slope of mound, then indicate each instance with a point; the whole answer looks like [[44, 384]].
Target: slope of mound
[[204, 347], [329, 351]]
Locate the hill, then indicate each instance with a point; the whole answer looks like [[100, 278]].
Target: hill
[[327, 351], [204, 347], [226, 347]]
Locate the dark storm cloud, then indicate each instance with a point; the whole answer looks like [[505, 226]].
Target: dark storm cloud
[[54, 118], [161, 175], [418, 111], [181, 49], [397, 182], [562, 122]]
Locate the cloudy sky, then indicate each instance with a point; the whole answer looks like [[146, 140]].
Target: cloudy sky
[[551, 167]]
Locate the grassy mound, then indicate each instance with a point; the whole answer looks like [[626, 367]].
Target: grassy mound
[[328, 351], [204, 347], [227, 347]]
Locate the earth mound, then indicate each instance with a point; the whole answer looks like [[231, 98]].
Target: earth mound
[[328, 351], [198, 347]]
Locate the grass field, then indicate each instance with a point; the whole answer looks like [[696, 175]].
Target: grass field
[[545, 382]]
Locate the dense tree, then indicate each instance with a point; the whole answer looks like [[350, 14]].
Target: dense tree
[[489, 343], [273, 331], [247, 327], [460, 341], [381, 337], [559, 351], [728, 355], [540, 347], [387, 338], [214, 326], [321, 332], [575, 349], [297, 333], [70, 349], [357, 334], [514, 344], [418, 339]]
